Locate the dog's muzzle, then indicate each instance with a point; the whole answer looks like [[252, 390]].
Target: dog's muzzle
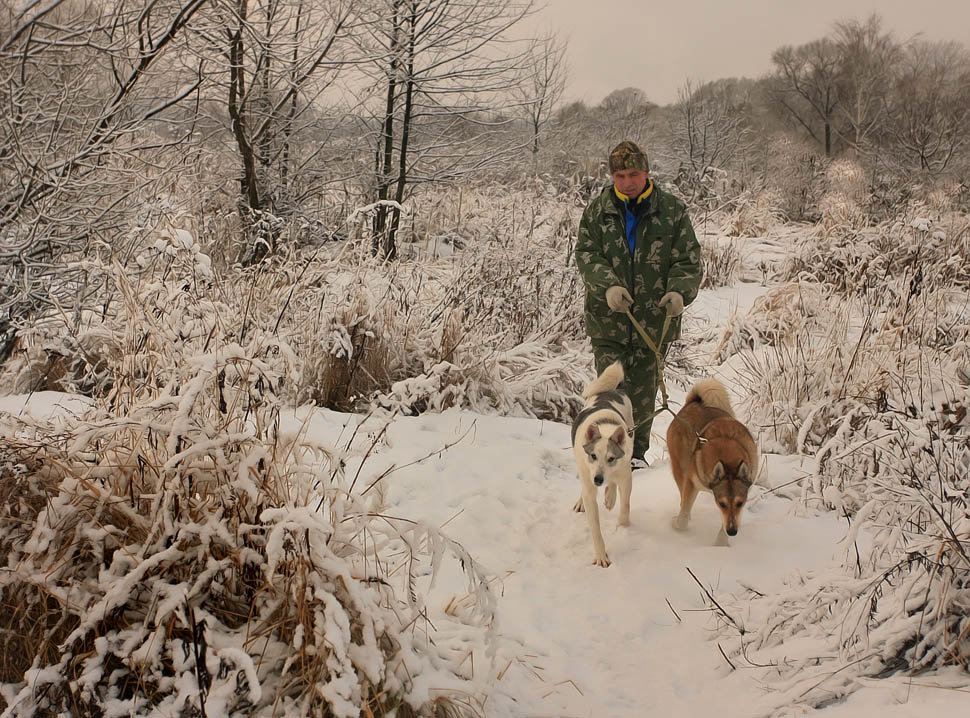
[[598, 480]]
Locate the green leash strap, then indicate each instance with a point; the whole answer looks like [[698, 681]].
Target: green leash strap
[[660, 373], [655, 348]]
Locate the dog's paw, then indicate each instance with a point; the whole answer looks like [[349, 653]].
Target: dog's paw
[[603, 561], [623, 521], [609, 496], [679, 523], [578, 507]]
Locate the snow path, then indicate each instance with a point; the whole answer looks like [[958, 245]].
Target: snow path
[[602, 642]]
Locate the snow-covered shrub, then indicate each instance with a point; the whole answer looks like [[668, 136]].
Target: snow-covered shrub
[[189, 557], [842, 205], [883, 408], [900, 601], [810, 367], [940, 195], [165, 291], [77, 364], [780, 313], [527, 380], [754, 214], [722, 263], [423, 333], [348, 356], [357, 325], [796, 172], [514, 218], [426, 336], [926, 252], [849, 264], [180, 552], [793, 391]]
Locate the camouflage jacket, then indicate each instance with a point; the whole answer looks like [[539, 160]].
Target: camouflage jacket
[[666, 258]]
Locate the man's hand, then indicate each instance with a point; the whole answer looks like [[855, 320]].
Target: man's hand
[[675, 301], [619, 299]]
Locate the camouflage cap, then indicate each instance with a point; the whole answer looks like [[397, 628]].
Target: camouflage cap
[[627, 156]]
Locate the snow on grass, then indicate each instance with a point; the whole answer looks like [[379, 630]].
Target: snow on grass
[[519, 623]]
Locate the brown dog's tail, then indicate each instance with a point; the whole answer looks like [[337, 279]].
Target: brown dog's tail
[[710, 392]]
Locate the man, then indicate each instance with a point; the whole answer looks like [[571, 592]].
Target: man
[[636, 250]]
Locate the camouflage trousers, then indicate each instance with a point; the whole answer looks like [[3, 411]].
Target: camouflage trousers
[[640, 372]]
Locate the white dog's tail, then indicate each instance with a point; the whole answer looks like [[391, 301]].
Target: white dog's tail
[[710, 392], [607, 381]]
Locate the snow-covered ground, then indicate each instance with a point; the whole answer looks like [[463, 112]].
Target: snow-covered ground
[[634, 639], [637, 638]]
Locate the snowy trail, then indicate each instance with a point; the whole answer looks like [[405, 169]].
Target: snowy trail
[[593, 641]]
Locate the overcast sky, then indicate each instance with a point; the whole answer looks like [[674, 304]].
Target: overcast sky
[[656, 45]]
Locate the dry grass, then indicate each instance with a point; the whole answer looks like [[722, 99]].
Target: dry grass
[[722, 263], [804, 365], [179, 550], [928, 253], [900, 602], [753, 215], [881, 405], [359, 327], [782, 312], [354, 326]]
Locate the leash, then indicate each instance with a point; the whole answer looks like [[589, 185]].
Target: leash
[[655, 348]]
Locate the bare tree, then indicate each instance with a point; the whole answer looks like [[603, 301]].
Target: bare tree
[[624, 114], [708, 132], [443, 67], [276, 57], [808, 86], [869, 56], [543, 85], [624, 102], [82, 88], [930, 115]]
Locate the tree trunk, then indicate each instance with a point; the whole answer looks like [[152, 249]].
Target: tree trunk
[[248, 186], [291, 118], [385, 155], [390, 246], [263, 103]]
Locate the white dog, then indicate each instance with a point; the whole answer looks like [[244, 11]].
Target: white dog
[[604, 449]]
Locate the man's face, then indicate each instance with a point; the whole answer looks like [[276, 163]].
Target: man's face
[[630, 182]]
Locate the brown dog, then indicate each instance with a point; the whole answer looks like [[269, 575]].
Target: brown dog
[[711, 450]]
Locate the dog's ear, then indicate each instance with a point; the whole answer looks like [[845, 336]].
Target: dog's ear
[[615, 450], [717, 473], [592, 433], [743, 474], [619, 436]]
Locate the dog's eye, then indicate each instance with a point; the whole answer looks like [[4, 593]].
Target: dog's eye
[[593, 457], [740, 504], [722, 504], [611, 460]]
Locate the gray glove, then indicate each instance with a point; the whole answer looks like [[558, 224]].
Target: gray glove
[[675, 301], [619, 298]]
